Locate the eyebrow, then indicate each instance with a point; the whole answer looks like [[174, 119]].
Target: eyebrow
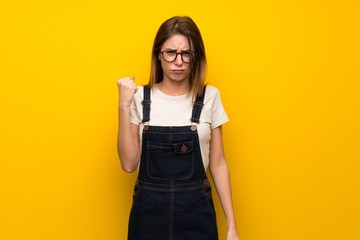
[[172, 49]]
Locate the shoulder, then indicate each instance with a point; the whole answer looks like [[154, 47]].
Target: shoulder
[[140, 90], [211, 89], [139, 95], [211, 92]]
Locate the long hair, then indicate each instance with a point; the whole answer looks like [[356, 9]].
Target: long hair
[[185, 26]]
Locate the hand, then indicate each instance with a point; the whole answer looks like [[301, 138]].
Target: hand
[[127, 89], [232, 235]]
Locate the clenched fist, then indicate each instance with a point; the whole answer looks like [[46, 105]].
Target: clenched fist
[[127, 89]]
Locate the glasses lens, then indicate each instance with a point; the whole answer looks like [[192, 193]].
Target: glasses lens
[[186, 56], [171, 55]]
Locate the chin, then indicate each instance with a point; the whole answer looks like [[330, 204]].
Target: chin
[[179, 77]]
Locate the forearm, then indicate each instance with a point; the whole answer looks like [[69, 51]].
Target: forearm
[[221, 177], [128, 145]]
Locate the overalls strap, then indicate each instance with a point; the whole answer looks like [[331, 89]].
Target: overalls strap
[[198, 104], [146, 104]]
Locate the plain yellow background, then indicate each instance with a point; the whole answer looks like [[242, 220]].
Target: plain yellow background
[[289, 76]]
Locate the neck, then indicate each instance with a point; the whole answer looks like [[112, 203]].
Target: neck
[[174, 88]]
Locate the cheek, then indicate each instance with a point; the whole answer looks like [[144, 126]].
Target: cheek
[[167, 66], [164, 65]]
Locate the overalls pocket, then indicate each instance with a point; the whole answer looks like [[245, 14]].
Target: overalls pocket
[[208, 197], [170, 161]]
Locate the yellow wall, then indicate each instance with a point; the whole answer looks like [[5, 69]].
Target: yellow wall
[[289, 74]]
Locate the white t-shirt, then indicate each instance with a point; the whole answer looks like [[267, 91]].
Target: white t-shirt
[[168, 110]]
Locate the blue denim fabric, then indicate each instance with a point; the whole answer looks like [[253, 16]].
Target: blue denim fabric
[[172, 197]]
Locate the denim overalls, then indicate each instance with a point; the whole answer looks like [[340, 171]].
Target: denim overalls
[[172, 196]]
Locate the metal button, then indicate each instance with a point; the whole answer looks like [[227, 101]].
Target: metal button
[[146, 127], [184, 148], [193, 128]]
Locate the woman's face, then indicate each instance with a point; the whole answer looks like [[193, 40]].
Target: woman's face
[[178, 69]]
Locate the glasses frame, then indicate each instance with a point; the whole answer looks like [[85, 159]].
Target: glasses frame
[[192, 57]]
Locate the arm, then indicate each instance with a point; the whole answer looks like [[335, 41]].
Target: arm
[[220, 174], [128, 134]]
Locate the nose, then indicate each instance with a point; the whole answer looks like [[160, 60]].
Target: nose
[[178, 60]]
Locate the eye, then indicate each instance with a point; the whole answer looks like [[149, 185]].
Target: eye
[[186, 54], [170, 52]]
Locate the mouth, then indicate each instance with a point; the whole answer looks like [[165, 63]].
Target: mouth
[[178, 71]]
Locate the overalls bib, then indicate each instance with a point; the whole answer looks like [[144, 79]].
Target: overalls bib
[[172, 196]]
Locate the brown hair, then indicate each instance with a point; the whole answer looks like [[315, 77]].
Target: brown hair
[[185, 26]]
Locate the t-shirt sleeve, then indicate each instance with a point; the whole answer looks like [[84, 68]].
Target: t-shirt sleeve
[[218, 116], [136, 108]]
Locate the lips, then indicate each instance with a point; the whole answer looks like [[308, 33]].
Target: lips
[[177, 71]]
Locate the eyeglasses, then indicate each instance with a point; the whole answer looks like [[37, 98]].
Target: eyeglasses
[[171, 55]]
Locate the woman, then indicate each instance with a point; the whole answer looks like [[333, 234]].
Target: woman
[[171, 132]]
